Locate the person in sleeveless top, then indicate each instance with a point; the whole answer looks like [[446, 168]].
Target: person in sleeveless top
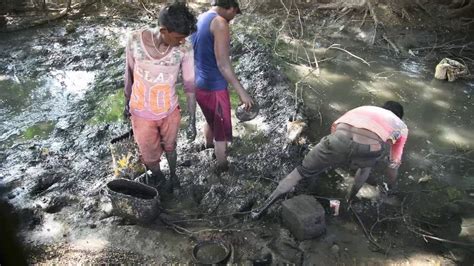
[[214, 72], [154, 59], [358, 139]]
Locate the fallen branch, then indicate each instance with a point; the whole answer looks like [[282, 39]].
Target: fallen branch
[[442, 239], [371, 240], [146, 9], [363, 19], [338, 5], [334, 46], [297, 87], [374, 17], [384, 36], [299, 20], [283, 24]]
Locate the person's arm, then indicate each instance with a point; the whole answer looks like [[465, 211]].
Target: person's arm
[[221, 32], [187, 66], [129, 65], [359, 180], [396, 152]]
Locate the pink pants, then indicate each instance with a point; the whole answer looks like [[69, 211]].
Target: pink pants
[[154, 136]]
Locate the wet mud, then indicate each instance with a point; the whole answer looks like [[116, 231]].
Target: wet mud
[[61, 106]]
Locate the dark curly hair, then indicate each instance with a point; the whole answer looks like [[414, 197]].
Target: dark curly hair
[[226, 4], [395, 107], [178, 18]]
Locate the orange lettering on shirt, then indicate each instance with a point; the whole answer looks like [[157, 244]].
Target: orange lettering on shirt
[[137, 101], [160, 98]]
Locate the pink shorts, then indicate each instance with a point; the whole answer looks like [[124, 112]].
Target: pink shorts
[[154, 136], [215, 106]]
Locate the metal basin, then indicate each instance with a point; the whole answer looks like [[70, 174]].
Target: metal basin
[[211, 252], [244, 115]]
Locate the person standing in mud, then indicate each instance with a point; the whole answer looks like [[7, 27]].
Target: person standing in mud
[[214, 73], [358, 139], [154, 58]]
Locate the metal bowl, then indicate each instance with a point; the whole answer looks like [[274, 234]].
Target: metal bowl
[[244, 115], [211, 252]]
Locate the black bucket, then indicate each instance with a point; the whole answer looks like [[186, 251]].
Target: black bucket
[[132, 200], [211, 252]]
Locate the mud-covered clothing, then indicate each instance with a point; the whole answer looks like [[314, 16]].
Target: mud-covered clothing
[[150, 82], [215, 106], [208, 75], [154, 136], [389, 127], [336, 150]]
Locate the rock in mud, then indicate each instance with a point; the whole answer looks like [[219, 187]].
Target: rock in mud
[[70, 28], [304, 216], [55, 204], [44, 182]]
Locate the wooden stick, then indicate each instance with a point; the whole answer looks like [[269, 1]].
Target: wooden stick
[[380, 248], [365, 16], [334, 46], [391, 43]]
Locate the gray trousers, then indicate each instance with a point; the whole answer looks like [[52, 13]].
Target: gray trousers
[[337, 150]]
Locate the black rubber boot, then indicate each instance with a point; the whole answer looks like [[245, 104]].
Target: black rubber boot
[[153, 177], [173, 182]]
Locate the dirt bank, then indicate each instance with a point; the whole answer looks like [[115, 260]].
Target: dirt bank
[[56, 158]]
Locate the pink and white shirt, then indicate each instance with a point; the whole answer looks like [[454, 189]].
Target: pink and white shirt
[[150, 82], [388, 126]]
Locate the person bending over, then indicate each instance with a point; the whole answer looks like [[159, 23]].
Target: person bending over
[[358, 139]]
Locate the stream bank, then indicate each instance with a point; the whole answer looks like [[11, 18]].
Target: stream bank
[[63, 105]]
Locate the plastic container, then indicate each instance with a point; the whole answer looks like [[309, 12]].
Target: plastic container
[[334, 205], [132, 200]]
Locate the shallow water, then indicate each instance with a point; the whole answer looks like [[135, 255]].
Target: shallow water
[[435, 114], [31, 108], [439, 114]]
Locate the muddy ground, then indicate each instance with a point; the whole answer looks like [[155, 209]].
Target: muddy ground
[[61, 105]]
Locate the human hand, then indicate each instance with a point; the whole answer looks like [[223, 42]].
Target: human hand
[[246, 100], [389, 189]]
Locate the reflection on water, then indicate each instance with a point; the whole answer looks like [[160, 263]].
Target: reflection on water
[[439, 114], [29, 107], [41, 129]]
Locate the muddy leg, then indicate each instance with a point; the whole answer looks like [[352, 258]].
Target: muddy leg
[[172, 158], [209, 137], [220, 150], [284, 186], [361, 176]]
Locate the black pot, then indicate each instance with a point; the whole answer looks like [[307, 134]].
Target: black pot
[[132, 200]]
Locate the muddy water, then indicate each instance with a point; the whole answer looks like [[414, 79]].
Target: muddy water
[[32, 108], [35, 109], [438, 113]]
